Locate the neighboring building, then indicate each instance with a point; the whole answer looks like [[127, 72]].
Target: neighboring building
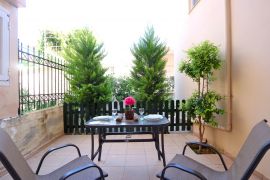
[[169, 68], [9, 96], [241, 28], [170, 64]]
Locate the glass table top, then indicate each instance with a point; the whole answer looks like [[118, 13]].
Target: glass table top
[[110, 121]]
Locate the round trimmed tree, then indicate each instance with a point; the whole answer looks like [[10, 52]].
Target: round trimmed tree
[[201, 62]]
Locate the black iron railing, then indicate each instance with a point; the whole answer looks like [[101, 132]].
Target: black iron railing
[[75, 115], [41, 79]]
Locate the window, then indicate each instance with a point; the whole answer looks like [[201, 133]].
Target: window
[[192, 4], [4, 47]]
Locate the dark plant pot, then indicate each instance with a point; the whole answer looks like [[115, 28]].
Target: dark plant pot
[[203, 150], [129, 114]]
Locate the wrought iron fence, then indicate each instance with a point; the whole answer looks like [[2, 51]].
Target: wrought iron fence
[[41, 79], [75, 115]]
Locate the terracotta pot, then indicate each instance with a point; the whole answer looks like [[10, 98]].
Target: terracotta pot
[[129, 114]]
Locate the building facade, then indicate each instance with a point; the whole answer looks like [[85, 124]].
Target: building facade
[[9, 96], [241, 29]]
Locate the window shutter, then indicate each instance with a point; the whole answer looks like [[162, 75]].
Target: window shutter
[[4, 45]]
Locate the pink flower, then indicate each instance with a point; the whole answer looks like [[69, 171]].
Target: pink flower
[[129, 101]]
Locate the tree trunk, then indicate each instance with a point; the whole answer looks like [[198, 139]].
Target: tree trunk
[[200, 132], [207, 83], [202, 92], [199, 86]]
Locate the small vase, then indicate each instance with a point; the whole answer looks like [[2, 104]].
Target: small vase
[[129, 114]]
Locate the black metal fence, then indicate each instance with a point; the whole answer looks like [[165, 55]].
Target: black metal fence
[[41, 79], [76, 115]]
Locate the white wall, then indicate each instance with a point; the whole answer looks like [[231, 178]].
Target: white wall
[[200, 25]]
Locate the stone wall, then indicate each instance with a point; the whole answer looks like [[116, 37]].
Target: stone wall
[[34, 130]]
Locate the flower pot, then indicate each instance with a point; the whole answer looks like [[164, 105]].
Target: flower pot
[[201, 150], [129, 114]]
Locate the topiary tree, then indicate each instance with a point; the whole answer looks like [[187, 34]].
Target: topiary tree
[[86, 76], [148, 73], [202, 60]]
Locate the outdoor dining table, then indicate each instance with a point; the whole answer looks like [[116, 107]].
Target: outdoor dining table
[[101, 124]]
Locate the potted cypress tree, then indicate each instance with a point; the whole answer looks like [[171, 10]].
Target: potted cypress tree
[[201, 62]]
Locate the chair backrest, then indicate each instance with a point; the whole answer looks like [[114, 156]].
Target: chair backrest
[[251, 153], [12, 159]]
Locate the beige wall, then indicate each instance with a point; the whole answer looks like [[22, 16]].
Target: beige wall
[[250, 66], [205, 25], [202, 25], [9, 94]]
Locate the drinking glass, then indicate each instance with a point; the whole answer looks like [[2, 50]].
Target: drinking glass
[[141, 111], [114, 112]]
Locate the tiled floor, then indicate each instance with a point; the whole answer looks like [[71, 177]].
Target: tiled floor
[[132, 161]]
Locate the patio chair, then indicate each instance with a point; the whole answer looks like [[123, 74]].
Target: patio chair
[[79, 168], [251, 153]]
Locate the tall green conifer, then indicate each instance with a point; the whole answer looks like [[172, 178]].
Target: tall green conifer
[[148, 73], [88, 82]]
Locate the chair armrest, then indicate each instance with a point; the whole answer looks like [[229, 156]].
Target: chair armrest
[[207, 146], [183, 168], [5, 162], [54, 149], [82, 168]]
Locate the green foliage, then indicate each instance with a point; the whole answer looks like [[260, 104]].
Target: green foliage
[[148, 73], [88, 82], [121, 88], [50, 39], [202, 60], [29, 104], [205, 106]]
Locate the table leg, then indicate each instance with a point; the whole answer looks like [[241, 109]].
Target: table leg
[[162, 147], [92, 145], [156, 137], [100, 143]]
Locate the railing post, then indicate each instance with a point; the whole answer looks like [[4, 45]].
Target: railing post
[[183, 119], [65, 115], [82, 115], [177, 112], [172, 125]]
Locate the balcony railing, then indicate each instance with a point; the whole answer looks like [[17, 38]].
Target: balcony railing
[[41, 79]]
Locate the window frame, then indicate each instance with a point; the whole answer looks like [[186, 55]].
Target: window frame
[[4, 46], [192, 4]]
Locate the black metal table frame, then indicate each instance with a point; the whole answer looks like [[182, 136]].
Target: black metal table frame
[[101, 131]]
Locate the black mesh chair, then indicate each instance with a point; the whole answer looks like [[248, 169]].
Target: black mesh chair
[[80, 168], [251, 153]]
